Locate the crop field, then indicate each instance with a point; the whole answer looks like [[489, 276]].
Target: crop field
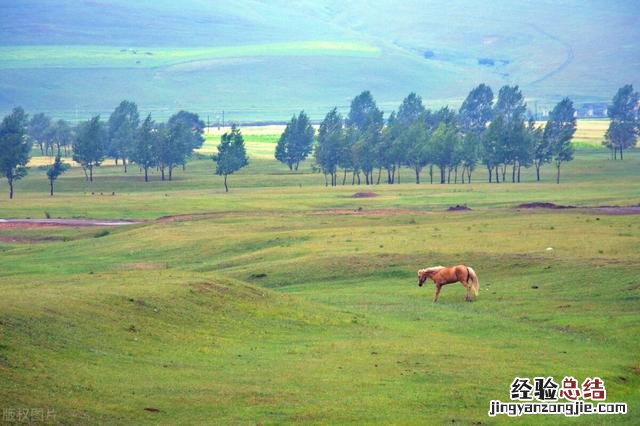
[[287, 301]]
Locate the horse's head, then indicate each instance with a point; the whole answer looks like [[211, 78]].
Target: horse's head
[[423, 274], [422, 277]]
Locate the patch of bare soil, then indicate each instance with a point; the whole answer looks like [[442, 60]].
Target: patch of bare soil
[[458, 208], [616, 210], [542, 205], [364, 195], [27, 240], [605, 210], [378, 212], [42, 223], [193, 216]]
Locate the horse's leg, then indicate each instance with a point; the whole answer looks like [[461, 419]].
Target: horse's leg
[[435, 296], [467, 295]]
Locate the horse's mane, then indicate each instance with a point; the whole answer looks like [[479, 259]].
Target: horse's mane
[[432, 269]]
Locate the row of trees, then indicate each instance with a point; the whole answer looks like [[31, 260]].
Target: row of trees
[[147, 143], [124, 137], [495, 133]]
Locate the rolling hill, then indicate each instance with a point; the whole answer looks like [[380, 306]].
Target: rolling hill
[[265, 60]]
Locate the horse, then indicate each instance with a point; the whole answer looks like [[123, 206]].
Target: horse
[[446, 275]]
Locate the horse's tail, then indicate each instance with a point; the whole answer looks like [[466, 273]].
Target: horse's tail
[[474, 280]]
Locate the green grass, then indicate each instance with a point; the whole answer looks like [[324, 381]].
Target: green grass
[[273, 309], [83, 56]]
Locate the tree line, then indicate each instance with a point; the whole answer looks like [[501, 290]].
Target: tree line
[[124, 137], [496, 133]]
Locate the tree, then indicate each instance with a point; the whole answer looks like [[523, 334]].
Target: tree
[[490, 152], [510, 104], [162, 148], [89, 145], [391, 153], [330, 144], [55, 170], [191, 121], [231, 155], [365, 122], [39, 130], [624, 126], [14, 147], [476, 110], [296, 142], [445, 141], [540, 147], [411, 109], [144, 151], [123, 126], [417, 143], [558, 133], [62, 135]]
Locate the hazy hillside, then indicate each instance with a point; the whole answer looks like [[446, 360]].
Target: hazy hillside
[[261, 60]]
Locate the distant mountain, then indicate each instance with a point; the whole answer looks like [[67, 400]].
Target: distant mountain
[[265, 60]]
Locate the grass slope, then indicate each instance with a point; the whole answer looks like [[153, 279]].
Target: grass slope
[[267, 311], [262, 60]]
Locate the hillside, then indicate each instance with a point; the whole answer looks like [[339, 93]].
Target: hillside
[[266, 60]]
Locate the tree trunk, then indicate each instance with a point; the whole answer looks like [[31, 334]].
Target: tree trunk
[[538, 172], [379, 175], [497, 174], [455, 175], [10, 188], [51, 187], [442, 174], [226, 188], [162, 172], [90, 173], [124, 163], [513, 173], [344, 178], [296, 167], [558, 175], [518, 177], [621, 158], [146, 174], [449, 175], [431, 173], [417, 176], [490, 169], [398, 170], [170, 172]]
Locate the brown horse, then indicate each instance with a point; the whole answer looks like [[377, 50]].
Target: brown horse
[[441, 276]]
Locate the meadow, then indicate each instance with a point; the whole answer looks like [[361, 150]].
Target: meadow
[[263, 61], [287, 301]]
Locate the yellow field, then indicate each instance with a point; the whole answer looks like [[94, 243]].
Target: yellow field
[[589, 132]]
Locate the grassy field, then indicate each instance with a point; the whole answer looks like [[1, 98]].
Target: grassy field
[[263, 61], [285, 301], [82, 56]]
